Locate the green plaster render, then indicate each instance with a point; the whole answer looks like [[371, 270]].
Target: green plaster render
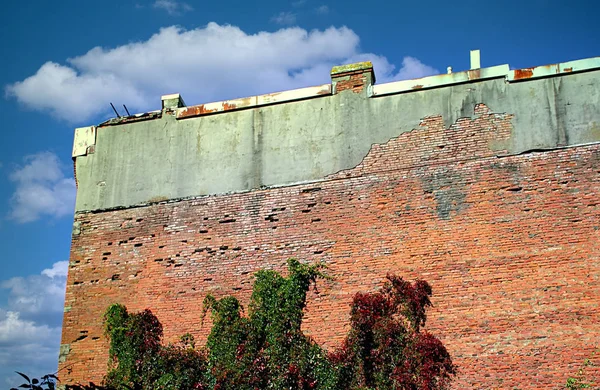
[[307, 140], [336, 70]]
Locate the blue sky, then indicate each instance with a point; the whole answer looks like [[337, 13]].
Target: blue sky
[[63, 62]]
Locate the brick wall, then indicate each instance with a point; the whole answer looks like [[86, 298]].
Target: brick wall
[[509, 244]]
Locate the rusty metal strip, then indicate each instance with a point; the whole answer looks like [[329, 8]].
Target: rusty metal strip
[[254, 101], [553, 69], [440, 80]]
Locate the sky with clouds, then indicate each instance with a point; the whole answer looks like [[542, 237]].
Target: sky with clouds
[[64, 62]]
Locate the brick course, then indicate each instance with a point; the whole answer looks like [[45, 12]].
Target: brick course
[[510, 245]]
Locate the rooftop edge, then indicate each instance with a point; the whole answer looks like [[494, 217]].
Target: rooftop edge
[[174, 102]]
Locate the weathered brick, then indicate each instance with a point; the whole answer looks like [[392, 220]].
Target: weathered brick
[[509, 244]]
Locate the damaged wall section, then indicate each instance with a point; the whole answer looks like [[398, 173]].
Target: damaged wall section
[[486, 188], [317, 133]]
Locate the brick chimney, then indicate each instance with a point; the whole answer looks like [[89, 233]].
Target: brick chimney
[[355, 77]]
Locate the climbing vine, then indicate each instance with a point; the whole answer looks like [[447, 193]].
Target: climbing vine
[[266, 349]]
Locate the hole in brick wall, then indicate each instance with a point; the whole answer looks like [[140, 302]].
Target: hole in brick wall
[[193, 288], [77, 261], [198, 250], [310, 205], [228, 220], [223, 247], [95, 281], [245, 272], [206, 218], [318, 252], [95, 338], [131, 238], [306, 211], [256, 248], [441, 146], [309, 190], [203, 231], [122, 242], [110, 243], [184, 241], [237, 248], [106, 254], [139, 244], [236, 288], [158, 259], [514, 189], [170, 261], [177, 255], [153, 235], [315, 220], [77, 283], [161, 246], [327, 202], [207, 279], [115, 277], [178, 265], [274, 227], [139, 220], [271, 218], [83, 336], [278, 209], [105, 258]]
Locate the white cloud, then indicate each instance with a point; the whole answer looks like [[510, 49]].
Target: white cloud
[[284, 18], [322, 10], [41, 189], [36, 296], [204, 64], [59, 269], [26, 347], [172, 7], [412, 68], [30, 322]]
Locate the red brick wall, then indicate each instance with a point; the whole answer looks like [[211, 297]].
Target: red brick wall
[[510, 245]]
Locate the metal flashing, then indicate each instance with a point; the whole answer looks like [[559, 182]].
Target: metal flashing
[[253, 101], [553, 69], [440, 80]]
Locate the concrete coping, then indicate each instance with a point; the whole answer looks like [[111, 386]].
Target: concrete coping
[[342, 70], [440, 80], [174, 102]]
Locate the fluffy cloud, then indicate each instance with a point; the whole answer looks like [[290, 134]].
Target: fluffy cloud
[[36, 296], [204, 64], [30, 323], [41, 189]]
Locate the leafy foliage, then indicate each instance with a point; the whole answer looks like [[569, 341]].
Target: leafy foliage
[[139, 361], [267, 349], [47, 382], [385, 348]]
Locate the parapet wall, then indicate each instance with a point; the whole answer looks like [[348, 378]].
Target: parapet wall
[[487, 188], [308, 134]]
